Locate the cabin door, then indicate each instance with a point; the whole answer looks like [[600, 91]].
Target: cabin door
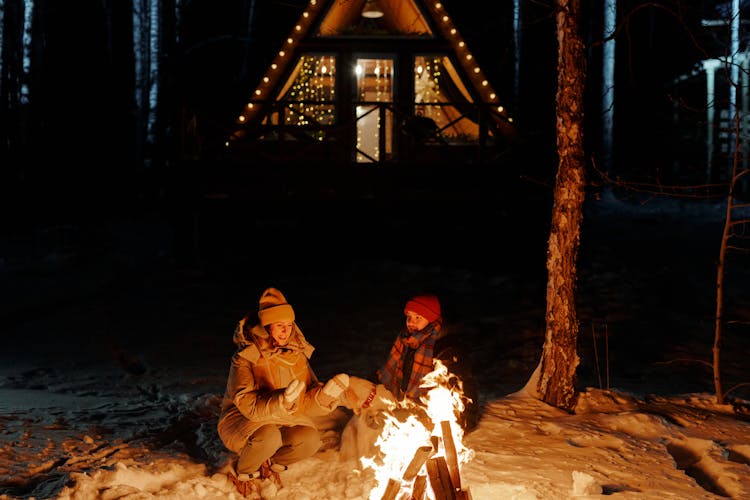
[[374, 109]]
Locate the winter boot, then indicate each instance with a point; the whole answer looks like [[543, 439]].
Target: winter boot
[[269, 470], [247, 485]]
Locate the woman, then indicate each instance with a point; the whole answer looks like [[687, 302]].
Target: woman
[[271, 394], [415, 350]]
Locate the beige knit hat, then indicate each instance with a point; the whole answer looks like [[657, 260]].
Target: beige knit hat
[[274, 308]]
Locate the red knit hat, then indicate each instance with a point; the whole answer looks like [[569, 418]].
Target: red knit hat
[[427, 306]]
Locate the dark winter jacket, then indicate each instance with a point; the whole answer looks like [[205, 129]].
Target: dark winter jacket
[[450, 352], [406, 367]]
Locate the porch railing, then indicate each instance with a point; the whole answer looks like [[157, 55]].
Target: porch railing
[[292, 130]]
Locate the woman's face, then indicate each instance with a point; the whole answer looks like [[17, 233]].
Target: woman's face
[[281, 331], [415, 322]]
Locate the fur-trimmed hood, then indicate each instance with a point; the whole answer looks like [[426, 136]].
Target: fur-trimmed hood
[[253, 341], [258, 374]]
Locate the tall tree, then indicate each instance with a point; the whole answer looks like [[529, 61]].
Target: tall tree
[[556, 384], [12, 52], [608, 82]]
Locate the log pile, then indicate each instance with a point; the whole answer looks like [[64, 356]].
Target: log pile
[[442, 471]]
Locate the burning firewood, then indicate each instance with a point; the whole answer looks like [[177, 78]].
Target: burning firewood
[[432, 432], [391, 489], [450, 454], [440, 481], [419, 488], [444, 474], [420, 457]]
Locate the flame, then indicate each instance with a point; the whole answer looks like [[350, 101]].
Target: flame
[[410, 426]]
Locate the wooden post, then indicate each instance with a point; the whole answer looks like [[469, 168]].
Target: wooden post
[[451, 457]]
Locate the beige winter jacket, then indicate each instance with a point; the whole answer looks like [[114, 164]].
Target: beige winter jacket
[[258, 375]]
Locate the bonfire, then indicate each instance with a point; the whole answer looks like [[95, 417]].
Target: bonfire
[[420, 449]]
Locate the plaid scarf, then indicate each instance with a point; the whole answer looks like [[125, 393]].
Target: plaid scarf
[[392, 375]]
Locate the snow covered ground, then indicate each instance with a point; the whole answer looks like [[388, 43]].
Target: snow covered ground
[[115, 357]]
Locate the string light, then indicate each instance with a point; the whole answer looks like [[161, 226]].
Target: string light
[[317, 84]]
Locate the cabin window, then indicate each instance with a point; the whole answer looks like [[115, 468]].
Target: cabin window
[[373, 103], [308, 98], [441, 98]]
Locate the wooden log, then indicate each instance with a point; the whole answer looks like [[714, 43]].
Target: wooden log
[[451, 458], [440, 481], [420, 457], [419, 488], [391, 489], [463, 495], [435, 440]]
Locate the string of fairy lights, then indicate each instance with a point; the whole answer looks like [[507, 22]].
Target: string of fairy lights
[[427, 74], [374, 84], [313, 91], [315, 80]]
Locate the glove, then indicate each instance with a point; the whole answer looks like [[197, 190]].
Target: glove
[[333, 389], [335, 386], [374, 419], [291, 394]]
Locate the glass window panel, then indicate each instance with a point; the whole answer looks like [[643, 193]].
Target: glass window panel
[[374, 80], [374, 87], [441, 97], [310, 92]]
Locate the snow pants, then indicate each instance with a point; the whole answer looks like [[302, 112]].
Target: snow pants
[[281, 444]]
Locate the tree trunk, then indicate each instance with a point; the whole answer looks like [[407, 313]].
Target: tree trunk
[[11, 77], [557, 379]]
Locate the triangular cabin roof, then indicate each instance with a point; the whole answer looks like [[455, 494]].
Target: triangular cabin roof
[[327, 25]]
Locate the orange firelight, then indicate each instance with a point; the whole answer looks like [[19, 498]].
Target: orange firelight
[[412, 431]]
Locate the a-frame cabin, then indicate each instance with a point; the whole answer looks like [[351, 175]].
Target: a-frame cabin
[[376, 82]]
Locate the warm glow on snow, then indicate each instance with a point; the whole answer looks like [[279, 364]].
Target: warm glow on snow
[[79, 423]]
